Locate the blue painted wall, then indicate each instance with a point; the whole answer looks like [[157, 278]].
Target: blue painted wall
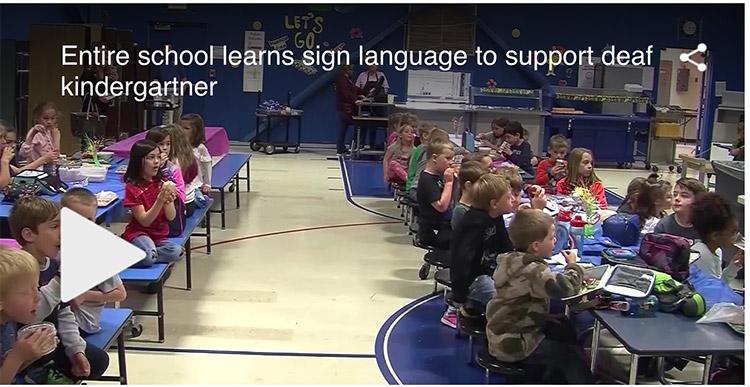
[[542, 26]]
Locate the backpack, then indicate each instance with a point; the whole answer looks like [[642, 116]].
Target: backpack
[[625, 229], [667, 253], [676, 297]]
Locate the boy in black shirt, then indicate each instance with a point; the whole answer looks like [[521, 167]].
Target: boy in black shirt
[[479, 236], [434, 195], [515, 149]]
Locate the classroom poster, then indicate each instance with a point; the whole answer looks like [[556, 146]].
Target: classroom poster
[[252, 75]]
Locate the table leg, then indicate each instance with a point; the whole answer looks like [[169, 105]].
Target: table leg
[[223, 210], [121, 359], [299, 133], [633, 369], [237, 188], [188, 265], [707, 368], [160, 311], [684, 169], [247, 174], [595, 345], [356, 143], [288, 120], [208, 232]]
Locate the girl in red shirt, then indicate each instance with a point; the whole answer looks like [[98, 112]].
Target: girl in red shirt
[[151, 201], [581, 174]]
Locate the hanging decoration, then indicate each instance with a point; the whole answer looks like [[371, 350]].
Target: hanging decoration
[[303, 68], [491, 83], [278, 44], [602, 98], [305, 27], [507, 91]]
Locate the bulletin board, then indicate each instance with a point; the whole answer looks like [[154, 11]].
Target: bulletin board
[[252, 75]]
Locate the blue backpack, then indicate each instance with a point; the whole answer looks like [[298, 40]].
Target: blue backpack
[[624, 229]]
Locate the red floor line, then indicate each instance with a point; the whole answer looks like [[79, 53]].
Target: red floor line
[[293, 231]]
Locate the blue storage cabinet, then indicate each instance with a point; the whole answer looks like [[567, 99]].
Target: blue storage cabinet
[[611, 138]]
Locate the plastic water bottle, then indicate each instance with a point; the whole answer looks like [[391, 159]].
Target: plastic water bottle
[[577, 226]]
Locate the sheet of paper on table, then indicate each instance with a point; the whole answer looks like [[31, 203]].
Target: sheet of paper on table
[[558, 258]]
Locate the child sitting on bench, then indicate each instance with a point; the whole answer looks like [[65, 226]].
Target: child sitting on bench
[[478, 237], [19, 276], [35, 224], [519, 327], [434, 195], [151, 201], [89, 305], [196, 133]]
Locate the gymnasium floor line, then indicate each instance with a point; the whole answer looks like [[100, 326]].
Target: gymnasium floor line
[[348, 193], [292, 231], [250, 353]]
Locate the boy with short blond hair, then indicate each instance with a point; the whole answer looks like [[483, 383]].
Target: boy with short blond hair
[[478, 237], [434, 195], [519, 326], [19, 274]]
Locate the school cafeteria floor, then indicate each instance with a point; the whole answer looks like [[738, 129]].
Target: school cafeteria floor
[[297, 286]]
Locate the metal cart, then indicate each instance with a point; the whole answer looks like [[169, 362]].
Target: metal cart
[[661, 146], [268, 145]]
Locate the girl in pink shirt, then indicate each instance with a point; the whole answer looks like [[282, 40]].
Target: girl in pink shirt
[[43, 139]]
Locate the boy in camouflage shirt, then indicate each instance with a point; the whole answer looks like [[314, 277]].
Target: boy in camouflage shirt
[[519, 326]]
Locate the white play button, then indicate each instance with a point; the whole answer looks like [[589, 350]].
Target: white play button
[[90, 254]]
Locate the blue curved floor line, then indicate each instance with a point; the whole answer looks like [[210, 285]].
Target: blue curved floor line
[[420, 350], [348, 193]]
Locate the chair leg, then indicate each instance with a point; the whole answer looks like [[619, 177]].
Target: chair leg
[[486, 376], [470, 359]]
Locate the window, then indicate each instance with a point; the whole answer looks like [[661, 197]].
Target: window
[[441, 27]]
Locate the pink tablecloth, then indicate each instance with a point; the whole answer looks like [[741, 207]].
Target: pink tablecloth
[[217, 143]]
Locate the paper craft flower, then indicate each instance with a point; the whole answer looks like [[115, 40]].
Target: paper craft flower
[[355, 33], [587, 200], [491, 83]]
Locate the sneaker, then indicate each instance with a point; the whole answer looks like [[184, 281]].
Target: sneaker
[[449, 318], [56, 377]]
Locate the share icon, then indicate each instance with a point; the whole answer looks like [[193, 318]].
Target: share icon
[[685, 57]]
